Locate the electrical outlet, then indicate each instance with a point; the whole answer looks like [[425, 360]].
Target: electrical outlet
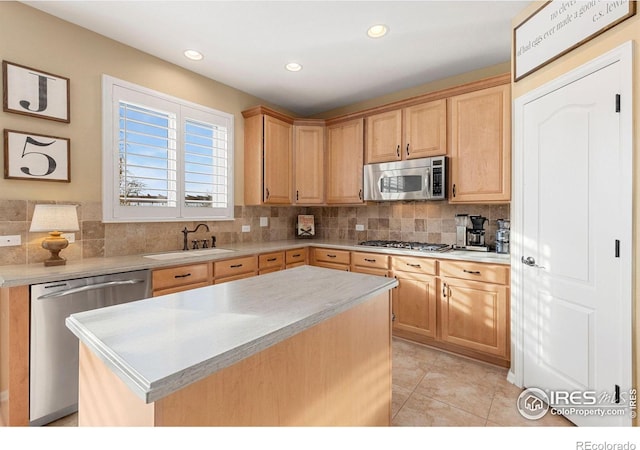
[[71, 237], [264, 221], [9, 241], [359, 227], [246, 228]]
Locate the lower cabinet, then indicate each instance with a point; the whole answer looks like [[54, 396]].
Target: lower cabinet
[[459, 306], [474, 307], [296, 257], [331, 259], [270, 262], [414, 300], [235, 269], [474, 315], [181, 278]]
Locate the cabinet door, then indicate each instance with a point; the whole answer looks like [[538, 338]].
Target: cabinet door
[[384, 137], [344, 162], [277, 161], [414, 304], [309, 164], [425, 130], [474, 315], [480, 146]]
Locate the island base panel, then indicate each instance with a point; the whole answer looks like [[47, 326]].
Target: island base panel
[[336, 373], [104, 399]]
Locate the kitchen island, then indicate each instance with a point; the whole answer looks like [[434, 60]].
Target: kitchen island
[[304, 346]]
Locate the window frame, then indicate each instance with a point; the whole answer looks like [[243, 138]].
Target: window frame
[[113, 91]]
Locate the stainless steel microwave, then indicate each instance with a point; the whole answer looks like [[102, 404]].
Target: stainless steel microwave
[[413, 179]]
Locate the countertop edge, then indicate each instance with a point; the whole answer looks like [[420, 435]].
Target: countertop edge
[[138, 385]]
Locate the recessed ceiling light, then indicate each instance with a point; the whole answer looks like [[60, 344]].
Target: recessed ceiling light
[[377, 31], [194, 55], [293, 67]]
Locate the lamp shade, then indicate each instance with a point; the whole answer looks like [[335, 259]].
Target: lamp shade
[[55, 218]]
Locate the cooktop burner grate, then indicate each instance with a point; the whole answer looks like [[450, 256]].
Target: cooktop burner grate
[[420, 246]]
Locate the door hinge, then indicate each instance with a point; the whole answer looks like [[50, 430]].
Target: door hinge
[[617, 394], [618, 103], [617, 248]]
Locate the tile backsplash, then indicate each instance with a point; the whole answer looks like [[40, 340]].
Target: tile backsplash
[[412, 221]]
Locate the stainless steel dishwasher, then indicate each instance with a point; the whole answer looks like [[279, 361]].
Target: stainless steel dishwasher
[[53, 375]]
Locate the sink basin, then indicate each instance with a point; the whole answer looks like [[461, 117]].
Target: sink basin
[[188, 253]]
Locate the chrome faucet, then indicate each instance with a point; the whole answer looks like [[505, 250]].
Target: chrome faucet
[[185, 232]]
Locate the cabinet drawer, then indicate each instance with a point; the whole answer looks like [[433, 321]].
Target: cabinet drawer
[[489, 273], [372, 260], [297, 255], [416, 265], [181, 276], [271, 260], [332, 256], [236, 266]]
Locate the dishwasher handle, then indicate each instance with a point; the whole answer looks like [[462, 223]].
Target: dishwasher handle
[[90, 287]]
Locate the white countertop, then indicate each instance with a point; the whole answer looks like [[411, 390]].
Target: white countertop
[[159, 345], [26, 274]]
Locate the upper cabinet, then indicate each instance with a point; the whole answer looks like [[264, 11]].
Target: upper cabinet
[[480, 146], [268, 157], [308, 157], [416, 131], [345, 162], [319, 162]]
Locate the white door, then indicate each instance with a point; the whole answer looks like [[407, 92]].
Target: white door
[[576, 307]]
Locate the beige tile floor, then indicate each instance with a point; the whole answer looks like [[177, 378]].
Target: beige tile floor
[[437, 389], [432, 388]]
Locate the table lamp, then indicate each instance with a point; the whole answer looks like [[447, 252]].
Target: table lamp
[[57, 218]]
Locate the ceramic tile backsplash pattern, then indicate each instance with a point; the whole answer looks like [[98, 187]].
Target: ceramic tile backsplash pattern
[[403, 221], [417, 221]]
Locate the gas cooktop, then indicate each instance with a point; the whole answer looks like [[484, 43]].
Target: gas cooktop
[[419, 246]]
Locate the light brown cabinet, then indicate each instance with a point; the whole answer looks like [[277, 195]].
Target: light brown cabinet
[[296, 257], [270, 262], [268, 157], [181, 278], [370, 263], [331, 258], [474, 307], [414, 300], [345, 160], [235, 269], [480, 146], [417, 131], [308, 160]]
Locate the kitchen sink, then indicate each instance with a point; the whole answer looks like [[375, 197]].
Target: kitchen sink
[[188, 254]]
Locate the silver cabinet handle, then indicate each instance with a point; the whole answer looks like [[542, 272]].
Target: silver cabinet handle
[[89, 288], [530, 261]]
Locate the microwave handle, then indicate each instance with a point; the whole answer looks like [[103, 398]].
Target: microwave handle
[[428, 182]]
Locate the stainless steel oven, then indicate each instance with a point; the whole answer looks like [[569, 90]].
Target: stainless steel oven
[[414, 179]]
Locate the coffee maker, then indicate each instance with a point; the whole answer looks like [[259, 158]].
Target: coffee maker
[[462, 223], [475, 234]]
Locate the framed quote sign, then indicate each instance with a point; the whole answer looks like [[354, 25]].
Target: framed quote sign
[[29, 156], [559, 26], [34, 93]]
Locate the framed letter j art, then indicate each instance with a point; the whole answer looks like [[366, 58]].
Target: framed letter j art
[[35, 93], [29, 156]]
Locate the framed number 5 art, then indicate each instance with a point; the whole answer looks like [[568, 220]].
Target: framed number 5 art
[[34, 93], [29, 156]]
